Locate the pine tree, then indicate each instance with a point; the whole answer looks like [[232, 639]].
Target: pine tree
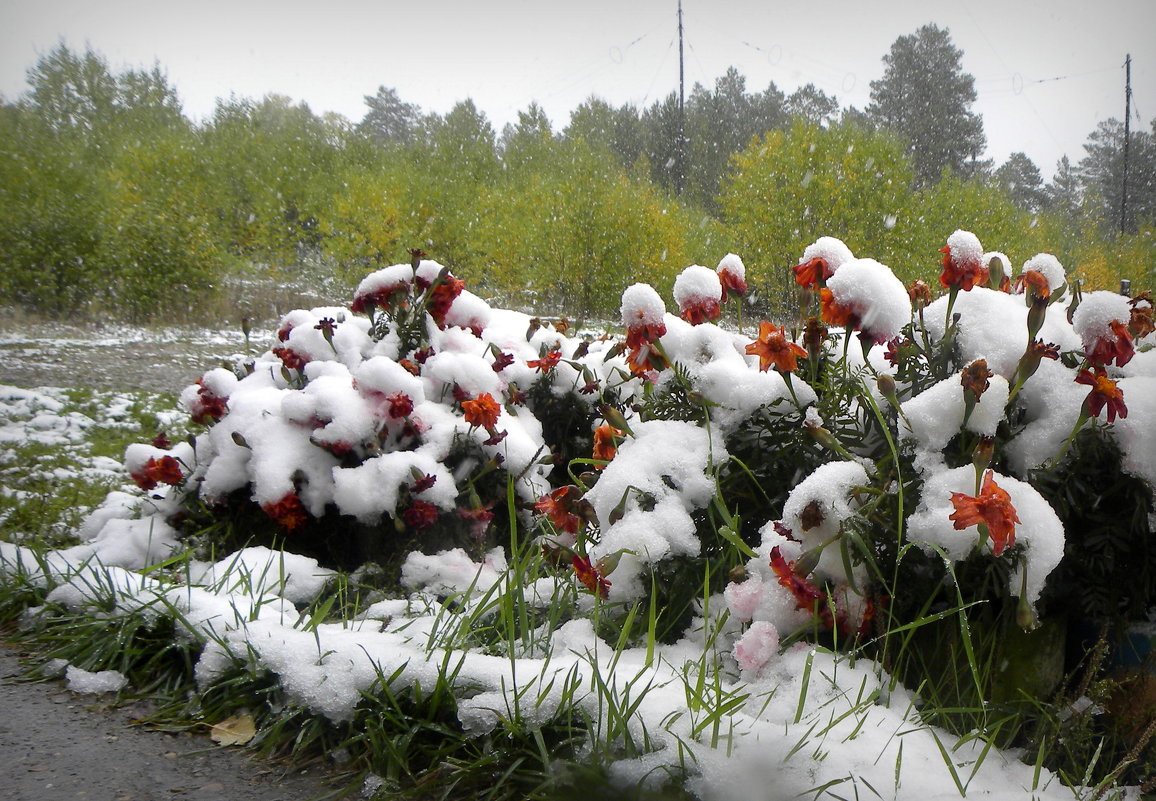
[[925, 96], [1020, 179], [389, 120]]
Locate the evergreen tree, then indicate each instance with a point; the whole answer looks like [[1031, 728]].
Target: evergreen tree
[[601, 125], [925, 96], [1020, 179], [389, 120], [1063, 196], [1102, 175]]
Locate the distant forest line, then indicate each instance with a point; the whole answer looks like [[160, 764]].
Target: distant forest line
[[115, 203]]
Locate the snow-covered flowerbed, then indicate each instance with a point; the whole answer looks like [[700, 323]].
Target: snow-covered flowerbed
[[696, 538]]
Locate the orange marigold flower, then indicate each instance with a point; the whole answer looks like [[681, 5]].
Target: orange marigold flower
[[836, 314], [807, 595], [1036, 286], [558, 505], [291, 358], [976, 378], [1104, 393], [812, 273], [993, 508], [591, 578], [1141, 323], [482, 411], [547, 362], [289, 512], [165, 470], [964, 273], [605, 443], [208, 405], [773, 348], [731, 282]]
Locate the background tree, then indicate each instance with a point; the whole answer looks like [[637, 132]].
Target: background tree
[[389, 120], [1102, 175], [925, 96], [619, 130], [812, 104], [1020, 180]]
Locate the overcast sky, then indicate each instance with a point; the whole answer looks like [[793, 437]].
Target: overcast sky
[[1047, 71]]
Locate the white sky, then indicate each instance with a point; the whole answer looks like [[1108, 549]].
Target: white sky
[[506, 53]]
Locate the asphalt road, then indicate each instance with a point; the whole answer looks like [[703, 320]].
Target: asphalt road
[[58, 746]]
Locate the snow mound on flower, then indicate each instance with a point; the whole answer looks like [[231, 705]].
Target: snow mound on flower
[[1094, 316], [829, 249], [732, 264], [993, 327], [1136, 433], [1039, 530], [936, 415], [1052, 402], [879, 298], [822, 501], [1049, 267], [642, 305], [695, 285], [657, 478], [965, 247]]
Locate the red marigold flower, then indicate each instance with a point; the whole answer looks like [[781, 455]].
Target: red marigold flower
[[502, 361], [976, 378], [327, 326], [993, 508], [422, 484], [420, 515], [547, 362], [400, 405], [1117, 346], [773, 348], [495, 437], [963, 265], [161, 441], [482, 411], [590, 576], [1104, 393], [557, 505], [289, 512], [606, 443], [208, 406], [836, 314], [732, 274], [812, 273], [479, 519], [442, 296], [807, 595], [410, 367], [642, 312], [165, 470], [291, 358]]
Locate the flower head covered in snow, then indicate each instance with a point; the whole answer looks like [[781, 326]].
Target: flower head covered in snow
[[732, 275], [642, 317], [821, 260], [382, 289], [1101, 320], [865, 295], [991, 510], [698, 293], [963, 266]]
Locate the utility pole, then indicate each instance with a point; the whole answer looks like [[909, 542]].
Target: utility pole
[[1127, 136], [680, 149]]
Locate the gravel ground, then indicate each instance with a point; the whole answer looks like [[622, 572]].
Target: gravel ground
[[115, 357], [56, 745]]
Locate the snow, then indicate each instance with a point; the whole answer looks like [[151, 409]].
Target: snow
[[352, 431], [1049, 267], [831, 250], [104, 681], [878, 298]]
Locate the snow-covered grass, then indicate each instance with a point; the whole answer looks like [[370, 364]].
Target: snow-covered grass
[[688, 563]]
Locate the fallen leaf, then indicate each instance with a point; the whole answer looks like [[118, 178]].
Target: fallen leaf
[[236, 730]]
